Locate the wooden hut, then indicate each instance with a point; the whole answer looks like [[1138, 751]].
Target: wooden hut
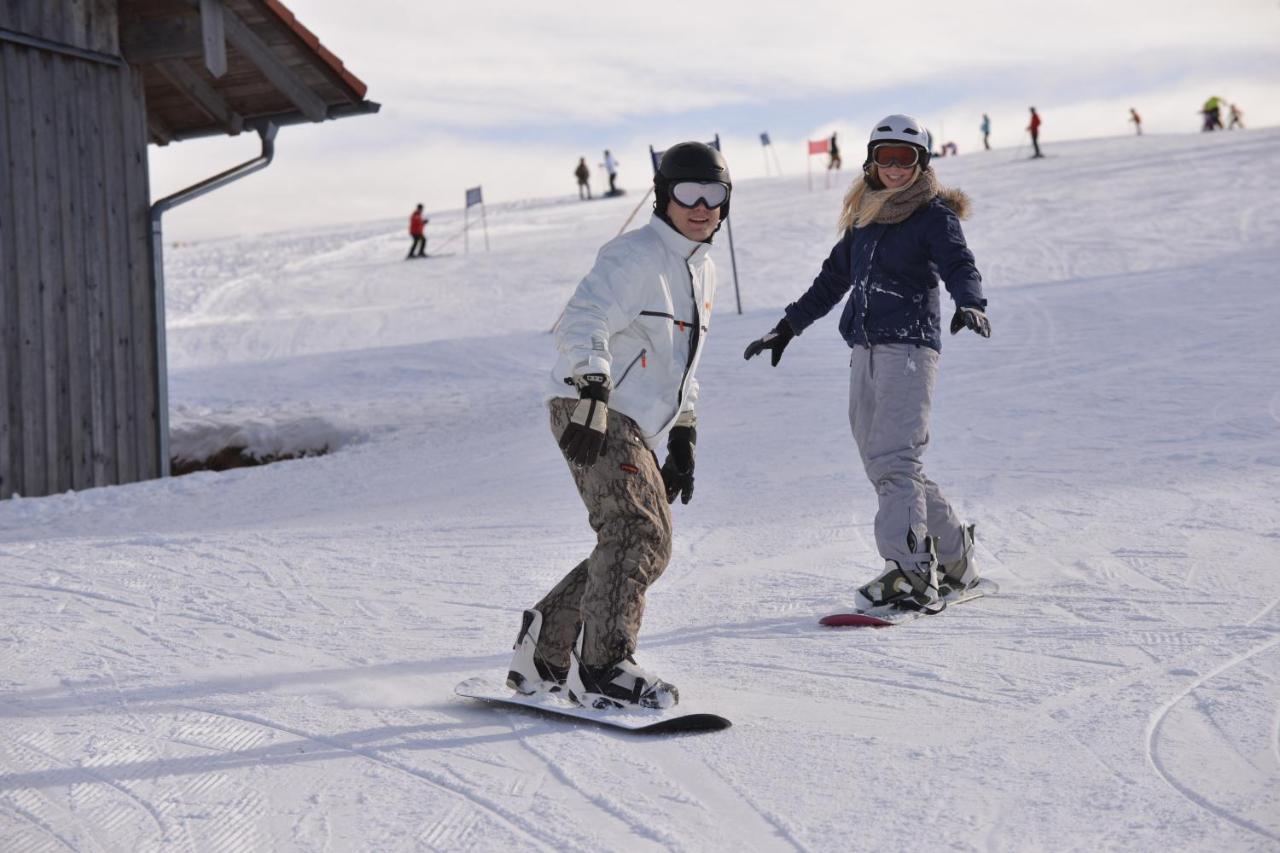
[[85, 86]]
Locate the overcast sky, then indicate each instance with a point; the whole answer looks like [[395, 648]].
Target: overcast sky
[[509, 95]]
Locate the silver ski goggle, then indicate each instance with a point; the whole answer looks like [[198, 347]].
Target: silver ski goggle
[[689, 193]]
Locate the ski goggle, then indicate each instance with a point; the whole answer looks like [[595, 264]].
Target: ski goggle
[[689, 193], [902, 156]]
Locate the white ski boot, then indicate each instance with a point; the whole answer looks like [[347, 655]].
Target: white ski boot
[[528, 672], [911, 585], [958, 573], [622, 684]]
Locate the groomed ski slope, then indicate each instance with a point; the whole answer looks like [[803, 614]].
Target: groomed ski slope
[[265, 658]]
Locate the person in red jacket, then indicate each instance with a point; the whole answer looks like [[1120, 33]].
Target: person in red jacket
[[417, 224], [1034, 127]]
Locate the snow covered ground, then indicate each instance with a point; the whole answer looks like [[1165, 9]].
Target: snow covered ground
[[264, 659]]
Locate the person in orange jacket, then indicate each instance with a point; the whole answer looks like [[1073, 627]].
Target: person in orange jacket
[[417, 226], [1034, 127]]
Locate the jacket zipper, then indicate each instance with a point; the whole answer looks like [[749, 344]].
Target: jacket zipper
[[694, 337]]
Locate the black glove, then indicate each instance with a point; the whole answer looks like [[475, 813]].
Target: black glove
[[974, 318], [677, 471], [776, 341], [583, 439]]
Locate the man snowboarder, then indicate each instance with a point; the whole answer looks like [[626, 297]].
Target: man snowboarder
[[1136, 119], [611, 166], [1034, 128], [630, 340], [417, 225], [583, 174], [986, 132]]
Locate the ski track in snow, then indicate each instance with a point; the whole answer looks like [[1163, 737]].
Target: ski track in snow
[[264, 658], [1184, 788]]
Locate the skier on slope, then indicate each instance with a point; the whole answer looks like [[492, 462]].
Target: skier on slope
[[900, 232], [611, 167], [1034, 129], [629, 341], [583, 174]]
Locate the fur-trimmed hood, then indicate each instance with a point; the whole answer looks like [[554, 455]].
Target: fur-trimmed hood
[[957, 200]]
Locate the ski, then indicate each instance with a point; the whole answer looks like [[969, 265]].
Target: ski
[[887, 616], [494, 690]]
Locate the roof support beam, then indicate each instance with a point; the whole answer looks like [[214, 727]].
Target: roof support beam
[[214, 35], [285, 78], [160, 134], [205, 96]]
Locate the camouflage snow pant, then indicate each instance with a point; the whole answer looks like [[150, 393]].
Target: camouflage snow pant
[[627, 508]]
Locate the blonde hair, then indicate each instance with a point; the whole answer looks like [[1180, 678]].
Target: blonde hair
[[862, 204]]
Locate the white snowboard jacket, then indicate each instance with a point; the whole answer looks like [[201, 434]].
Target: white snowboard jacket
[[640, 317]]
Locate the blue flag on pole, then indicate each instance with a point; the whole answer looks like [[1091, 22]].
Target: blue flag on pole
[[474, 196]]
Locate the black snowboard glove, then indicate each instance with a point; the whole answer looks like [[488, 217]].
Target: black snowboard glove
[[677, 471], [776, 341], [583, 439], [973, 318]]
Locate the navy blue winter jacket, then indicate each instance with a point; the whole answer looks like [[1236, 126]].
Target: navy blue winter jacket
[[893, 272]]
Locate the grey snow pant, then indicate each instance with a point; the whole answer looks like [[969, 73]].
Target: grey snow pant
[[627, 508], [890, 395]]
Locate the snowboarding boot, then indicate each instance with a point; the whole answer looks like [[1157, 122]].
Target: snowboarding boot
[[528, 672], [909, 585], [622, 684], [958, 573]]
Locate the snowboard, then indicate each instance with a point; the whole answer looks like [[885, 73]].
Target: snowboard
[[886, 616], [494, 690]]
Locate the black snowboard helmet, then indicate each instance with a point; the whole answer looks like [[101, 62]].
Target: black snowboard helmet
[[689, 161]]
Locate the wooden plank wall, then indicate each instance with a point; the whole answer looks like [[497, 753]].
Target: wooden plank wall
[[86, 24], [77, 321]]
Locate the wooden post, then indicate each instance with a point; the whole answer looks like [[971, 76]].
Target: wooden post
[[213, 34]]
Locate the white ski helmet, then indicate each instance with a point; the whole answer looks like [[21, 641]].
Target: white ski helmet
[[899, 128]]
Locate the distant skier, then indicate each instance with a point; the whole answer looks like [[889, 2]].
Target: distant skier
[[583, 174], [1136, 119], [986, 132], [900, 232], [611, 166], [630, 340], [1212, 112], [1034, 129], [417, 232], [1237, 118], [833, 151]]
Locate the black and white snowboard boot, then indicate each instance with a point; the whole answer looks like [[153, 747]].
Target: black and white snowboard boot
[[529, 673], [909, 584], [958, 572], [622, 684]]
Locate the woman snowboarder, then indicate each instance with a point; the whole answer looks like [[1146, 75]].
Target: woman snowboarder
[[900, 232]]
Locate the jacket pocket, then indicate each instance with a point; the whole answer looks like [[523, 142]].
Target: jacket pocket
[[639, 358]]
